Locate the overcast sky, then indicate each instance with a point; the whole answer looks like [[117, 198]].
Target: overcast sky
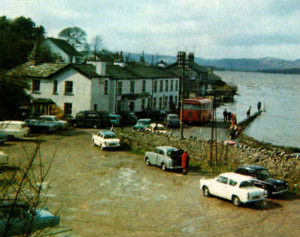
[[210, 28]]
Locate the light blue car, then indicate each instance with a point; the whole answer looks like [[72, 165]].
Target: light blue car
[[142, 124]]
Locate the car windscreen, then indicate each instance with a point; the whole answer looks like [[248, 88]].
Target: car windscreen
[[173, 117], [110, 136], [143, 122]]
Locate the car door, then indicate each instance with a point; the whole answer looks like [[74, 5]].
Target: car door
[[160, 157], [221, 186]]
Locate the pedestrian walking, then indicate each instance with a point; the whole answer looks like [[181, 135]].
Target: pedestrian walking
[[248, 112], [225, 115], [185, 160], [258, 106]]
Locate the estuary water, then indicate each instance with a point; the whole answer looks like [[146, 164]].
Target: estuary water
[[279, 94]]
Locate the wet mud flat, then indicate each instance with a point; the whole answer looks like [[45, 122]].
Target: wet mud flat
[[113, 193]]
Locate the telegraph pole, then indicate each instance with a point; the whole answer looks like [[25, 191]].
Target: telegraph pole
[[181, 56]]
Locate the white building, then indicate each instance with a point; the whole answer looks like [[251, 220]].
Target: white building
[[99, 87]]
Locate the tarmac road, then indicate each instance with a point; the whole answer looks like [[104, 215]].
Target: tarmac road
[[113, 193]]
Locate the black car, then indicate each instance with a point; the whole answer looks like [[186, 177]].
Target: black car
[[271, 185], [92, 119], [127, 117]]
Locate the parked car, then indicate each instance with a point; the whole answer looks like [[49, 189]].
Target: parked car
[[156, 127], [3, 136], [92, 119], [115, 119], [238, 188], [158, 115], [172, 120], [40, 126], [128, 118], [54, 119], [14, 129], [141, 124], [106, 139], [263, 179], [4, 158], [166, 157], [24, 218]]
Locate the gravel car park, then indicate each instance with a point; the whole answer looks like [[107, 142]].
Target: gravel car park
[[113, 193]]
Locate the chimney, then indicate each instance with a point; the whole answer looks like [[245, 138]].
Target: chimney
[[191, 57], [100, 68]]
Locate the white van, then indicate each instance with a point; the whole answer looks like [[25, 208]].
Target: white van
[[14, 129]]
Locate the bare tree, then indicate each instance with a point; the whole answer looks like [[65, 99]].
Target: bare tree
[[97, 45], [23, 196]]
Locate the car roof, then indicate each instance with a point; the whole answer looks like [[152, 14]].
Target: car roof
[[236, 177], [51, 116], [144, 119], [167, 147], [12, 122], [252, 167], [107, 132]]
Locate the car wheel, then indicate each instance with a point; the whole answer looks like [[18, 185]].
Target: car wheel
[[101, 147], [236, 201], [163, 167], [147, 162], [94, 143], [206, 192]]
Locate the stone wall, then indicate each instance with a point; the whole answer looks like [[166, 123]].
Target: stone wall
[[279, 163]]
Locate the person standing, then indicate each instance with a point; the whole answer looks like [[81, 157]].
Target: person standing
[[248, 112], [225, 115], [229, 116], [258, 106], [185, 160]]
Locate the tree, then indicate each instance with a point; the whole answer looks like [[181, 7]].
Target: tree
[[12, 96], [97, 45], [74, 35], [17, 39]]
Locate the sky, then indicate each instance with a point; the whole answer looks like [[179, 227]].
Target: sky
[[212, 29]]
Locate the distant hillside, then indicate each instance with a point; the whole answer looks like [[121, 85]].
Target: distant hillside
[[242, 64]]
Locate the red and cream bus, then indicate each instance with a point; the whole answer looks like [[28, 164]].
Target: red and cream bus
[[197, 110]]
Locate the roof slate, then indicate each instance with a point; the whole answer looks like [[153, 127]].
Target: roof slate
[[65, 46]]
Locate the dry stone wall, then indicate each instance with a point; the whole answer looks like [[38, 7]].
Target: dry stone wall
[[279, 163]]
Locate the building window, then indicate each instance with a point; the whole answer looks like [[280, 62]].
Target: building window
[[68, 87], [95, 107], [161, 84], [160, 103], [68, 108], [119, 89], [172, 85], [36, 85], [144, 87], [105, 87], [55, 87], [192, 75], [143, 105], [167, 86], [132, 84], [176, 85], [155, 86], [165, 101], [176, 100], [154, 103]]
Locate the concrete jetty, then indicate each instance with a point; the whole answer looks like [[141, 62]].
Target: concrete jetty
[[244, 123]]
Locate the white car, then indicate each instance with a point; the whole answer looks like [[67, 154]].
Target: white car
[[54, 119], [14, 129], [238, 188], [106, 139], [156, 127]]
